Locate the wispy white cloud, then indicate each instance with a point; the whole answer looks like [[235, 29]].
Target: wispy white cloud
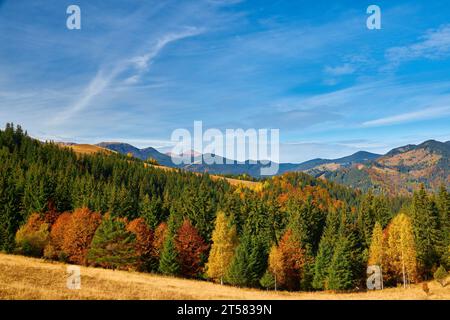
[[106, 76], [434, 44], [425, 114], [342, 70], [143, 62], [96, 86]]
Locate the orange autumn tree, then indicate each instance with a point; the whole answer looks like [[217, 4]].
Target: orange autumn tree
[[79, 234], [286, 261], [159, 238], [54, 248], [191, 249], [144, 243]]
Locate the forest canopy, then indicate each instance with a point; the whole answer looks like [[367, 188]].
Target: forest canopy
[[294, 233]]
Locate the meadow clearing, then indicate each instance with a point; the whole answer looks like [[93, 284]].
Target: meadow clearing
[[29, 278]]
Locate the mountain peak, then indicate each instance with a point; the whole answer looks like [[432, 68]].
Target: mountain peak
[[143, 154]]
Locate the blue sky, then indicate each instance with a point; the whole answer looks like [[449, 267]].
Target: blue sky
[[137, 70]]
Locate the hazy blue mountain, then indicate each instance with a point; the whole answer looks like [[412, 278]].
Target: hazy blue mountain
[[142, 154], [400, 169]]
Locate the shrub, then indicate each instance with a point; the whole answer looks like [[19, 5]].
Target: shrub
[[32, 237], [267, 281], [441, 275]]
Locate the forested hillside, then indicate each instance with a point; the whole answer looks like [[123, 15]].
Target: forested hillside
[[293, 233]]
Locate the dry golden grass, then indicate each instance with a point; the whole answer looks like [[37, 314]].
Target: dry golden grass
[[88, 149], [28, 278]]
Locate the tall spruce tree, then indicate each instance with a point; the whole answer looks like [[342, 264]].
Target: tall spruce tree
[[427, 234], [168, 261], [443, 203], [249, 262], [113, 246], [340, 274], [326, 249]]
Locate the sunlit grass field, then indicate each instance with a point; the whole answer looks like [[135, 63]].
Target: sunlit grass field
[[28, 278]]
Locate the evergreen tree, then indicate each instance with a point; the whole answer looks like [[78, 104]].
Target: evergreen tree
[[427, 234], [268, 281], [326, 249], [10, 217], [239, 273], [150, 210], [249, 262], [443, 203], [113, 247], [347, 265], [168, 262], [340, 275]]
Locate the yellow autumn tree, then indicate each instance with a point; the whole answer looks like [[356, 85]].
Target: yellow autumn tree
[[224, 240], [376, 250], [400, 259], [276, 267]]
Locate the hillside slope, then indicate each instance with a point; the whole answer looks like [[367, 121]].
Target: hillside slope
[[143, 154], [29, 278], [401, 170], [91, 149]]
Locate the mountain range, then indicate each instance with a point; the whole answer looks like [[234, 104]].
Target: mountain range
[[399, 171]]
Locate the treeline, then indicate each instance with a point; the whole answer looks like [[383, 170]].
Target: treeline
[[294, 233]]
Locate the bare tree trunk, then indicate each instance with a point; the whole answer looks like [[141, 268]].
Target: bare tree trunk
[[275, 282], [404, 274]]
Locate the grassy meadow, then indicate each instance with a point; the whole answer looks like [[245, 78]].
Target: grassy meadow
[[29, 278]]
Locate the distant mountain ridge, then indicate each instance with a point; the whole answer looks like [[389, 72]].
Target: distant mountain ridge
[[399, 170], [144, 154]]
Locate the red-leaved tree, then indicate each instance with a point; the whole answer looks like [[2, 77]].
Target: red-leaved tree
[[79, 234], [191, 249], [286, 261], [144, 243]]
